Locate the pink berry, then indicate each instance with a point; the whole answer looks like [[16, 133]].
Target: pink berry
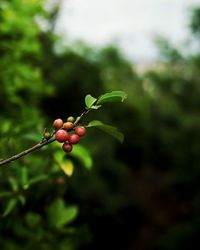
[[73, 139], [58, 123], [67, 147], [61, 135], [80, 130], [68, 126]]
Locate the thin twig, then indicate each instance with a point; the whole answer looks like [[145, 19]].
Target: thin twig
[[81, 116], [25, 152]]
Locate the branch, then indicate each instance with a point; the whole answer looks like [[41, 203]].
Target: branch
[[27, 151], [41, 144]]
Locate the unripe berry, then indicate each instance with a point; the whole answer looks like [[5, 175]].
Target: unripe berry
[[61, 135], [67, 147], [70, 119], [80, 130], [47, 135], [68, 126], [58, 123], [73, 139], [78, 118]]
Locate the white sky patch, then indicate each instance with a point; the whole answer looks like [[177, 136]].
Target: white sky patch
[[131, 24]]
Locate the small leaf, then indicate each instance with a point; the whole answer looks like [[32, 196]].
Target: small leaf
[[22, 199], [13, 182], [59, 214], [32, 137], [95, 106], [71, 214], [23, 175], [82, 154], [6, 126], [89, 101], [32, 219], [114, 96], [5, 194], [95, 123], [35, 179], [58, 155], [10, 206], [113, 131], [67, 167]]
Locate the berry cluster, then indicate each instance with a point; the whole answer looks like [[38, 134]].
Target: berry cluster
[[67, 133]]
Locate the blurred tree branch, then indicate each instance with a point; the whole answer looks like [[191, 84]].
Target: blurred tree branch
[[27, 151]]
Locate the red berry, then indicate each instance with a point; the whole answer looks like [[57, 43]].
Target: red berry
[[62, 135], [80, 130], [58, 123], [68, 126], [73, 139], [67, 147]]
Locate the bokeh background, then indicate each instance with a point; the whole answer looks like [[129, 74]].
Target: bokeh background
[[142, 194]]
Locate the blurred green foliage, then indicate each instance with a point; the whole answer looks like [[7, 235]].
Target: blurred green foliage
[[143, 194]]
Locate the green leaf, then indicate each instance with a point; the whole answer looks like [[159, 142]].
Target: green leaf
[[71, 213], [95, 106], [13, 183], [35, 180], [23, 175], [10, 206], [58, 214], [65, 164], [114, 96], [5, 194], [67, 167], [82, 154], [32, 219], [6, 126], [35, 137], [113, 131], [22, 199], [58, 155], [89, 101]]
